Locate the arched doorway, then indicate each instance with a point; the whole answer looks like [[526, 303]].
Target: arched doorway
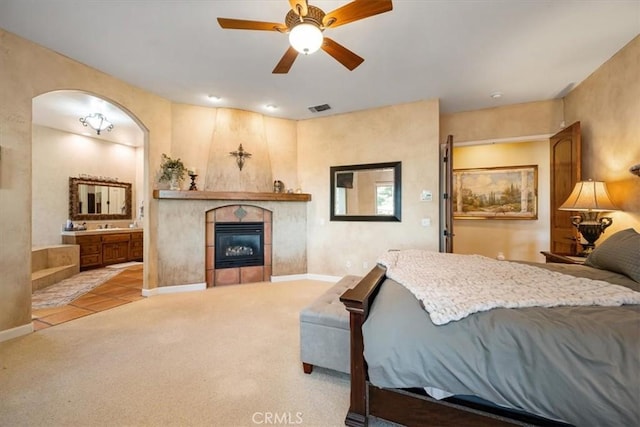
[[64, 148]]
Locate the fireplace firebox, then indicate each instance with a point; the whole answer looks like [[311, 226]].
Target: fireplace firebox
[[239, 244]]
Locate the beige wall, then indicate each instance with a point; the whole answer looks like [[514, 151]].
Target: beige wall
[[28, 70], [203, 137], [516, 239], [512, 121], [607, 104], [407, 133], [58, 155]]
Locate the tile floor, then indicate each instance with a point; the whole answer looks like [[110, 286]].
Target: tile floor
[[121, 289]]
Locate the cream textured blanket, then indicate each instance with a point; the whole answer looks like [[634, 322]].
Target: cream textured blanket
[[452, 286]]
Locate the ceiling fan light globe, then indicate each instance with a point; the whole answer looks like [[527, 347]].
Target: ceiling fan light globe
[[305, 38]]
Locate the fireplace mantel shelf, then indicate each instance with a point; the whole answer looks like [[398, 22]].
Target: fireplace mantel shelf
[[230, 195]]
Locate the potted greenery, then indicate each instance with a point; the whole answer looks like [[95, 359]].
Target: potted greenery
[[172, 170]]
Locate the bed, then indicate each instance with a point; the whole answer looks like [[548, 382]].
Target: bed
[[568, 363]]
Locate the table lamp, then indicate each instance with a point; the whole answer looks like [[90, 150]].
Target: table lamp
[[589, 198]]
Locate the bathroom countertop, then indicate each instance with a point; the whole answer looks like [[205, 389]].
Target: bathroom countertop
[[101, 231]]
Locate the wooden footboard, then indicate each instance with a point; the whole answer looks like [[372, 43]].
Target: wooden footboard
[[358, 300], [402, 406]]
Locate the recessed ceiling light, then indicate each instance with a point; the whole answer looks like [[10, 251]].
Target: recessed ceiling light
[[214, 98], [271, 107], [496, 95]]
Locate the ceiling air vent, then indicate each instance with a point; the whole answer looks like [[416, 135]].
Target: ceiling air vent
[[319, 108]]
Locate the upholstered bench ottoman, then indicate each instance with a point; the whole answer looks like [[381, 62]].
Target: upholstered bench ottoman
[[324, 330]]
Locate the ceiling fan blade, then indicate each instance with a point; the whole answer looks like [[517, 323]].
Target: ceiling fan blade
[[300, 5], [341, 54], [242, 24], [286, 61], [356, 10]]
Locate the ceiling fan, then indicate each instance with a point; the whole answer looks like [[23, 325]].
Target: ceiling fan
[[305, 23]]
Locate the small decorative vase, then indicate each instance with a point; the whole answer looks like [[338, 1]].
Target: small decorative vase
[[174, 182]]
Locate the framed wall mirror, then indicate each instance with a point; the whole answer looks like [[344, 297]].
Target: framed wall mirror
[[368, 192], [94, 199]]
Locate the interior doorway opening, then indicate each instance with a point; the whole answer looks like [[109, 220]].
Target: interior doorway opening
[[64, 148], [505, 238]]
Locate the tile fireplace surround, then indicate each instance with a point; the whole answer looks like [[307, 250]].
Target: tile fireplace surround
[[237, 275], [185, 216]]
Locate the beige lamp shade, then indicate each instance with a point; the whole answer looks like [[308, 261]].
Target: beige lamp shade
[[590, 196]]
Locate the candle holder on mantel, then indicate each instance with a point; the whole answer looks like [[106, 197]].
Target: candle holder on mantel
[[193, 186]]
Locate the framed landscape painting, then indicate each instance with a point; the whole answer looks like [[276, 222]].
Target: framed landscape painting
[[496, 193]]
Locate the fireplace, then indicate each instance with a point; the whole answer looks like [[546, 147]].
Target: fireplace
[[239, 244]]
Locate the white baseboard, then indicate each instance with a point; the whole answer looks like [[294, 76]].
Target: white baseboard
[[202, 286], [324, 277], [174, 289], [16, 332], [292, 277]]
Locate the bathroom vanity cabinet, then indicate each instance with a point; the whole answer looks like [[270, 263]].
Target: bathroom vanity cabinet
[[90, 250], [115, 248], [135, 247], [99, 248]]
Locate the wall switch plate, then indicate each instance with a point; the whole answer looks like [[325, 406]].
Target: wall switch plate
[[426, 222], [426, 196]]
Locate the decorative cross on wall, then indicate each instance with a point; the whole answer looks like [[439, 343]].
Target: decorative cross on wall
[[240, 156]]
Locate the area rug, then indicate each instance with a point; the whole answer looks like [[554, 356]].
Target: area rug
[[124, 265], [67, 290]]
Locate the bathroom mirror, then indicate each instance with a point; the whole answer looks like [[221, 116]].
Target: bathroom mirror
[[368, 192], [94, 199]]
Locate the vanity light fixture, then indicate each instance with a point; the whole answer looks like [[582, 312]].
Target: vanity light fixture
[[97, 122]]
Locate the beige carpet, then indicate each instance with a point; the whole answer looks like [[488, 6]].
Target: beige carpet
[[226, 356]]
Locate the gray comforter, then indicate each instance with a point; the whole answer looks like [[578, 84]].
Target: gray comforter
[[580, 365]]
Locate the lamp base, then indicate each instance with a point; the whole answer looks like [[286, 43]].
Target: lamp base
[[587, 248], [590, 228]]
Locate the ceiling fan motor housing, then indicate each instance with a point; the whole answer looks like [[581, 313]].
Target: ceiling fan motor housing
[[314, 16]]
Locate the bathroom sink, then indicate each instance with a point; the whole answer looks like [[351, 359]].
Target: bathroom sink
[[106, 230], [111, 229]]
